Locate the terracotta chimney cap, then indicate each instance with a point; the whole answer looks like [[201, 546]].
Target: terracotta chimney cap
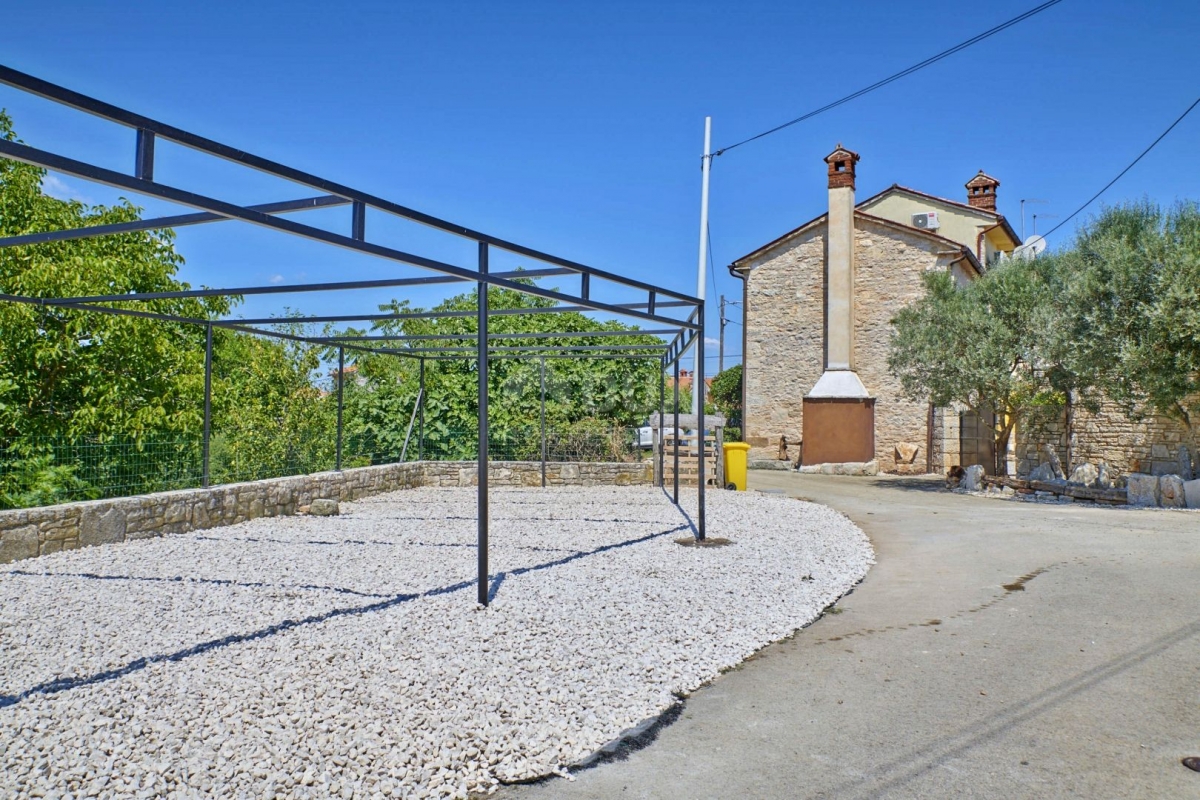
[[841, 167], [982, 179], [981, 192]]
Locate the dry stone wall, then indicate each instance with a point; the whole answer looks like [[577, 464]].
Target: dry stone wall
[[1148, 446], [29, 532]]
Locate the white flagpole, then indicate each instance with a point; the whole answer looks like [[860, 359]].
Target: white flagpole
[[702, 266]]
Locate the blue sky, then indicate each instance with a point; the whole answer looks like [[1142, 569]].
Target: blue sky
[[576, 128]]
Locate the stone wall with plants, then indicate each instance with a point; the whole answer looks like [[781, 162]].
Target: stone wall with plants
[[1150, 445], [26, 533]]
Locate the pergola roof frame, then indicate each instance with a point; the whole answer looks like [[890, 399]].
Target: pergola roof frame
[[210, 209]]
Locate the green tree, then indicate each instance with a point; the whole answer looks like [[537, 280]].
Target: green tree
[[995, 346], [72, 373], [74, 382], [584, 397], [726, 393], [1133, 298], [269, 416]]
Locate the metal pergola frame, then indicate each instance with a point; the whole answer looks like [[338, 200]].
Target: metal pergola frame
[[684, 330]]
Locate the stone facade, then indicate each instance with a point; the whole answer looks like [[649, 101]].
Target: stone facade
[[1149, 446], [785, 333], [29, 532]]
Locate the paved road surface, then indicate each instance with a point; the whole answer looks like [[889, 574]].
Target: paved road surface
[[998, 649]]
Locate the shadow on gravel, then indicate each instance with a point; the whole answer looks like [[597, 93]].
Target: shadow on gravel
[[64, 684]]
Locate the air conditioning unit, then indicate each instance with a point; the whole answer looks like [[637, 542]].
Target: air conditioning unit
[[927, 221]]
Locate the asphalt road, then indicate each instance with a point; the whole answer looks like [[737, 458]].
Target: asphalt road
[[997, 650]]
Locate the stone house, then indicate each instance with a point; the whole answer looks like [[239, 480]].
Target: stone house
[[818, 304]]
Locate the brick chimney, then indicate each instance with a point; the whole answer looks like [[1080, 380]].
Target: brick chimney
[[841, 167], [981, 192]]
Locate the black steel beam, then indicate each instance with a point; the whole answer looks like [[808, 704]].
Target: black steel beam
[[383, 317], [90, 105], [434, 351], [296, 288], [423, 337], [158, 223], [70, 166]]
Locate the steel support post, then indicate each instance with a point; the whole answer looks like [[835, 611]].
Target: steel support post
[[698, 388], [675, 432], [341, 379], [421, 424], [662, 413], [542, 421], [481, 339], [208, 347]]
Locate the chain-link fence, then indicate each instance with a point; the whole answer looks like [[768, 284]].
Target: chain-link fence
[[36, 471]]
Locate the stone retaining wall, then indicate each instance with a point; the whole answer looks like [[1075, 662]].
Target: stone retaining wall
[[1149, 445], [29, 532]]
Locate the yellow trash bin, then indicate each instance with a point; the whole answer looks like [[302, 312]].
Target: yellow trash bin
[[735, 464]]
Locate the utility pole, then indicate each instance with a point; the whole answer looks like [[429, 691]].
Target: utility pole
[[721, 351], [724, 322], [702, 263]]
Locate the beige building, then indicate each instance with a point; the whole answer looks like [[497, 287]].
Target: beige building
[[818, 305]]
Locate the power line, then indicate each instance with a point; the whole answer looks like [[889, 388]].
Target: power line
[[712, 273], [1121, 174], [903, 73]]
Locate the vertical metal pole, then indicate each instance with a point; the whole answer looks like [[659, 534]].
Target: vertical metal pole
[[341, 383], [699, 394], [543, 421], [675, 432], [702, 265], [421, 430], [662, 415], [482, 492], [204, 464]]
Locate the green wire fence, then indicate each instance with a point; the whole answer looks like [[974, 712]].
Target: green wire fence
[[36, 471]]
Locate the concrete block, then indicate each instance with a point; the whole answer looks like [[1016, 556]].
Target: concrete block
[[18, 543], [1142, 489], [1191, 493]]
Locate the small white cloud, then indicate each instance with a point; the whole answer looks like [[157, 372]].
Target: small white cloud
[[56, 187], [276, 278], [712, 342]]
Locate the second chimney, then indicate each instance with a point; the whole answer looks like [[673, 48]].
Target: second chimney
[[981, 192]]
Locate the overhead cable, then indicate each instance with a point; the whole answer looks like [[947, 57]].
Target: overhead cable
[[897, 76], [1121, 174]]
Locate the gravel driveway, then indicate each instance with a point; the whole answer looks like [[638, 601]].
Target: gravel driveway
[[345, 656]]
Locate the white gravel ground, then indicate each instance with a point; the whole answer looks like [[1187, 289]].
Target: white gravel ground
[[346, 656]]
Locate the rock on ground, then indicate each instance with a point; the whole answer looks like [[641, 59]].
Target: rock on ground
[[323, 507], [1042, 472], [346, 656], [1170, 491], [972, 479], [1085, 474]]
